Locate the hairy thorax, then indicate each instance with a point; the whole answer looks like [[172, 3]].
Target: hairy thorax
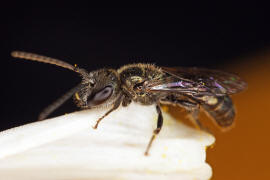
[[133, 79]]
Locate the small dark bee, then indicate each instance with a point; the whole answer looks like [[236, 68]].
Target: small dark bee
[[147, 84]]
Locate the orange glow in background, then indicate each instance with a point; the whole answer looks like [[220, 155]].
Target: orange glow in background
[[244, 151]]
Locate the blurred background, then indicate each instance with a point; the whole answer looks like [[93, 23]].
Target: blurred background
[[235, 39]]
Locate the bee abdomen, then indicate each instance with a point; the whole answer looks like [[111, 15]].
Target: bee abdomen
[[223, 111]]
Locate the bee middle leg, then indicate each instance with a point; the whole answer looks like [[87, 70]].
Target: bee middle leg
[[156, 131]]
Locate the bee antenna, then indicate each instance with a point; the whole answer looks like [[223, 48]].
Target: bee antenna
[[44, 59]]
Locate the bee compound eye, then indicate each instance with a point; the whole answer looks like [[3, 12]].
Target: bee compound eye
[[100, 96]]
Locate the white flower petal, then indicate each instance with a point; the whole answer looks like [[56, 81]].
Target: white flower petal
[[67, 147]]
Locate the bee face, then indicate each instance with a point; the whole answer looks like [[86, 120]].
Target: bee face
[[99, 88]]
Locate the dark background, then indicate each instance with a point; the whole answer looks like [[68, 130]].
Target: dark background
[[208, 36]]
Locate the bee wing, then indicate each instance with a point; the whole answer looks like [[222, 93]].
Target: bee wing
[[200, 81]]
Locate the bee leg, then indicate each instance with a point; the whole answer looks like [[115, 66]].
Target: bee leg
[[115, 106], [193, 110], [156, 131], [126, 101], [193, 117]]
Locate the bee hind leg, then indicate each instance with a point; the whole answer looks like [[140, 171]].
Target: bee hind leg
[[193, 110]]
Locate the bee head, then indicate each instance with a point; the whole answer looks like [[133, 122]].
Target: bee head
[[98, 89]]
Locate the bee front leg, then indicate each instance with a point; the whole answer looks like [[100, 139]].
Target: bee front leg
[[156, 131], [115, 106]]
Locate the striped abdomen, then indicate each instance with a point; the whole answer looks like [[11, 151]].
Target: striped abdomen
[[223, 111]]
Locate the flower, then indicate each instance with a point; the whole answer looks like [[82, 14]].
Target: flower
[[67, 147]]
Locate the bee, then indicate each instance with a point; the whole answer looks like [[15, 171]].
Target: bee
[[147, 84]]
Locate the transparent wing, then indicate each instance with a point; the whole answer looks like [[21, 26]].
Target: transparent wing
[[199, 82]]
